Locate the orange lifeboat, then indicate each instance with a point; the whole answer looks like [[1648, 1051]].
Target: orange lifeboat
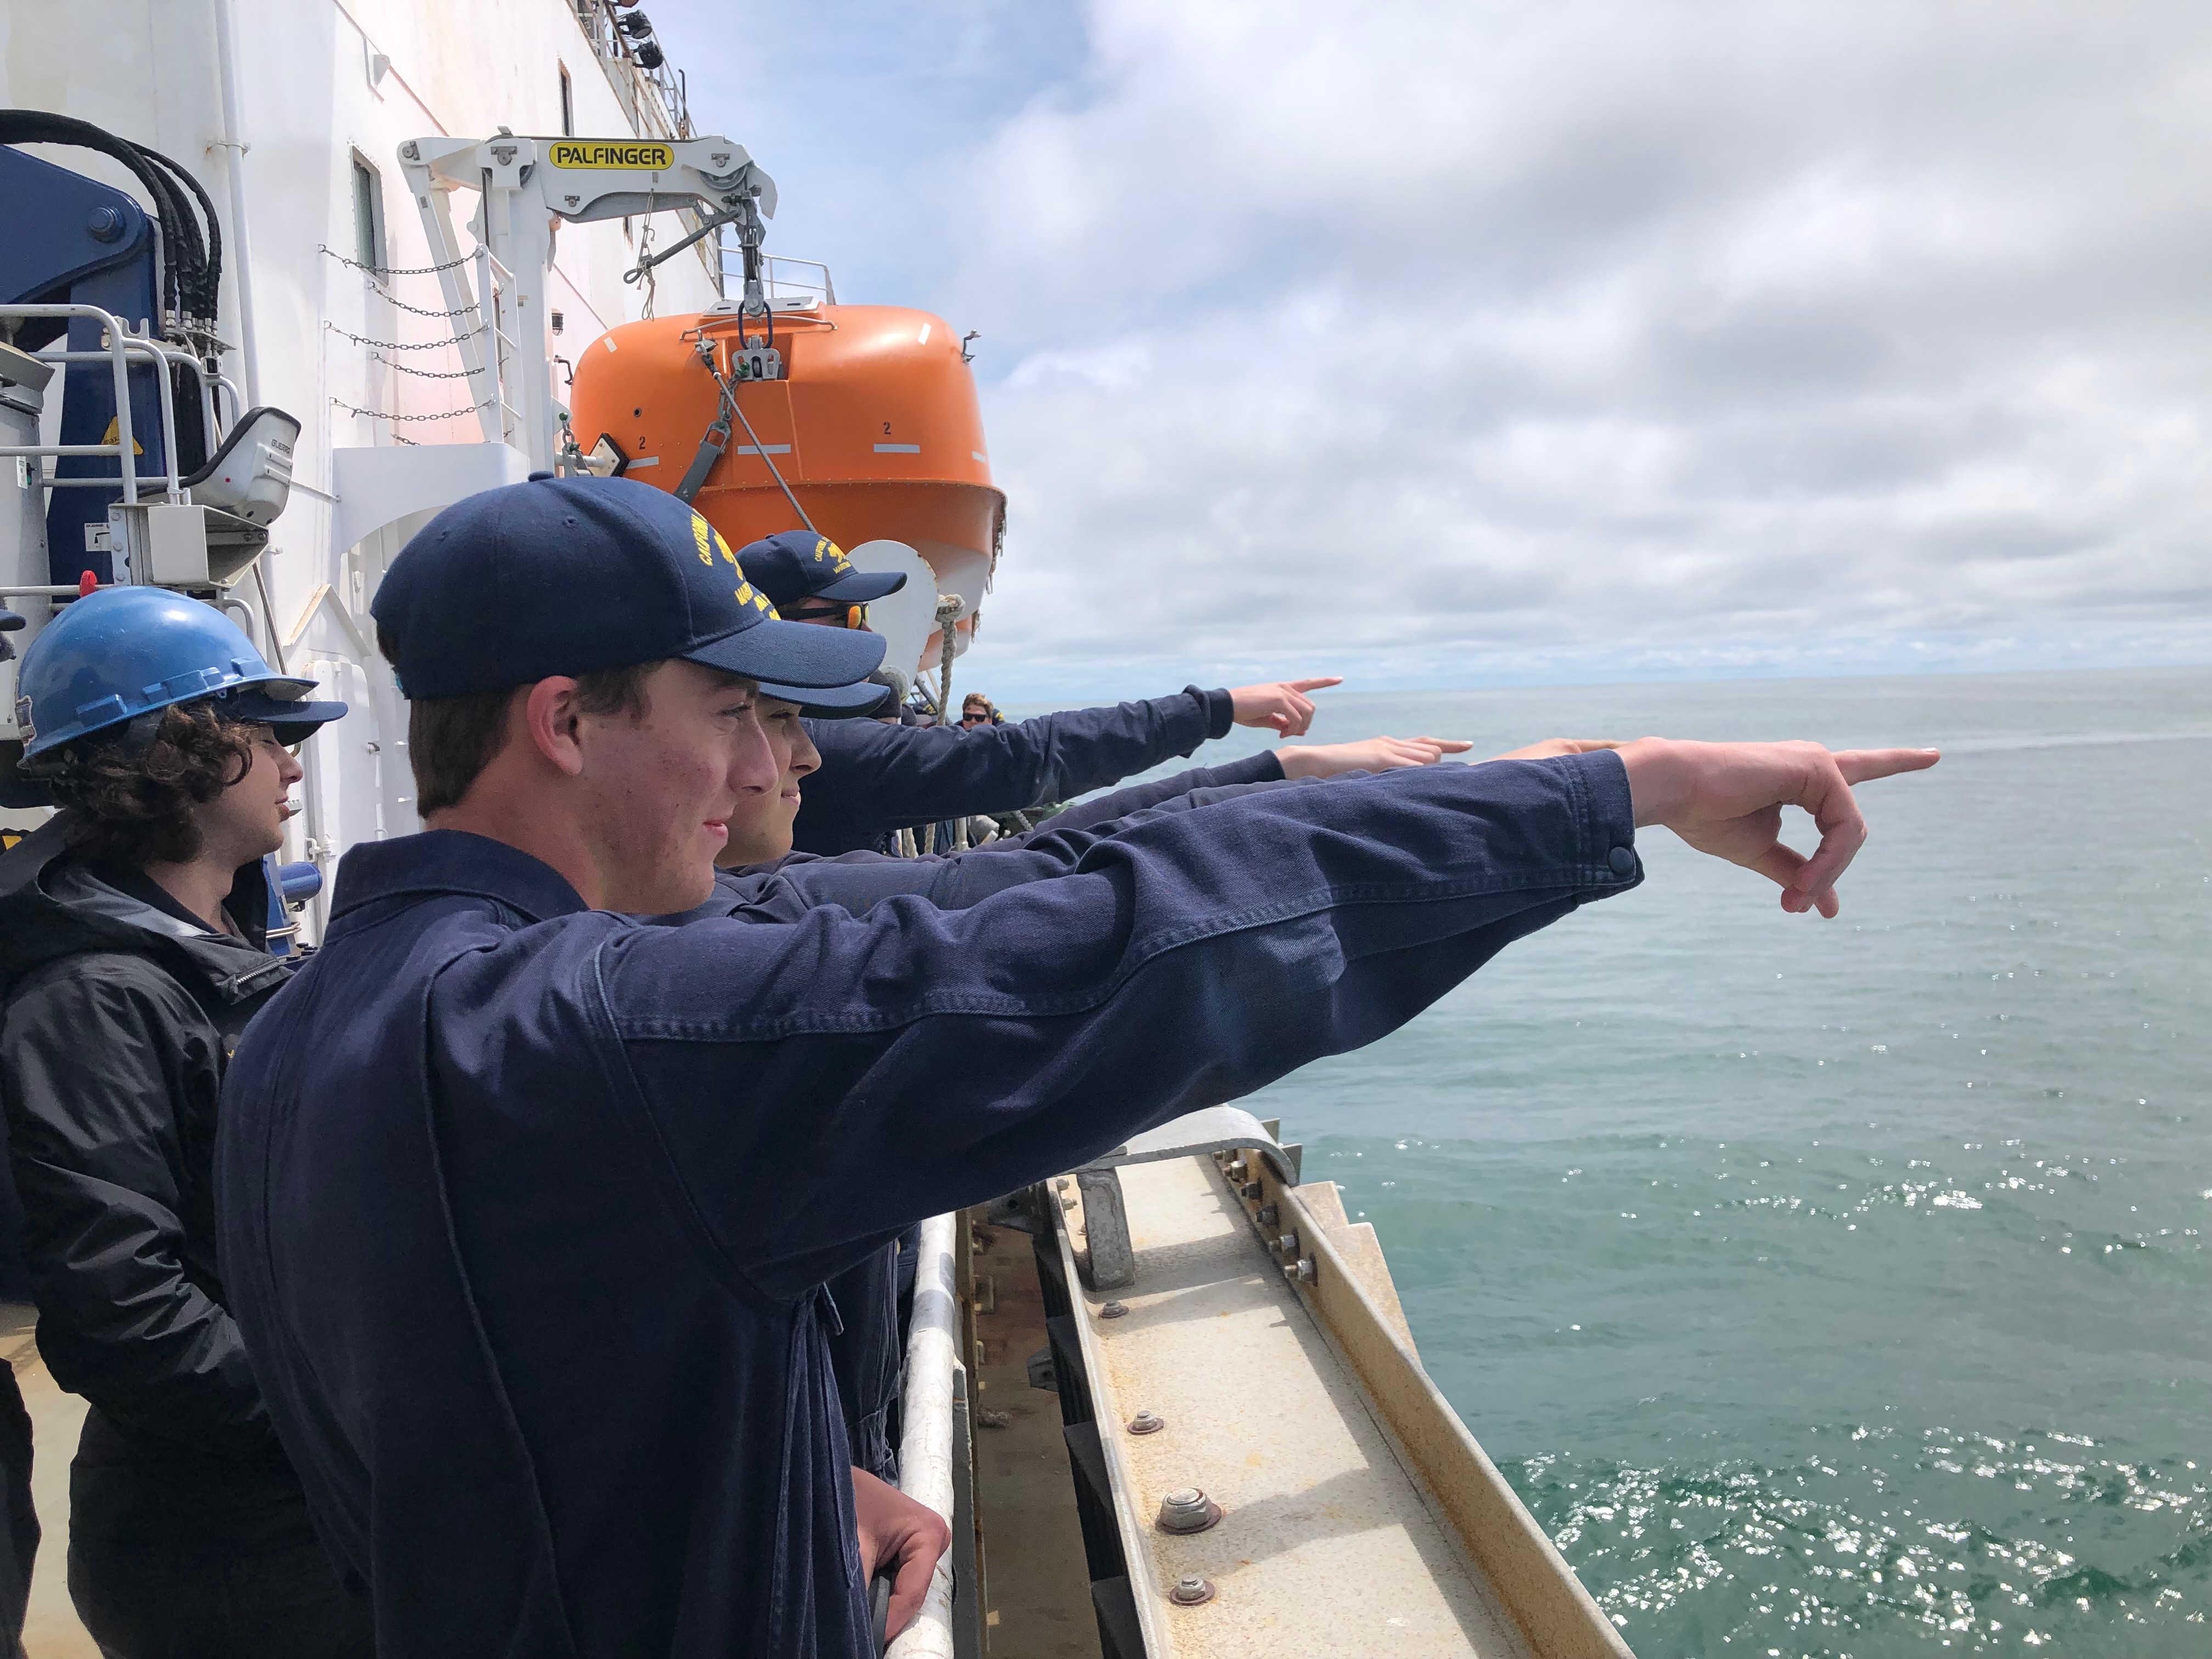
[[872, 424]]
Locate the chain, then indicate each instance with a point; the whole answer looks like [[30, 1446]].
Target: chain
[[408, 345], [421, 310], [381, 415], [390, 271], [424, 374]]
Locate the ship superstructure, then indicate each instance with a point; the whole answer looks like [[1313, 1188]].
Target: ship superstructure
[[411, 250]]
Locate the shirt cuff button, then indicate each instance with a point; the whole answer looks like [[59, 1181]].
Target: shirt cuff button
[[1622, 861]]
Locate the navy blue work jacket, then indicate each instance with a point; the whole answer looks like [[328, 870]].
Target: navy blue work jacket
[[865, 1354], [525, 1209], [876, 778], [788, 888]]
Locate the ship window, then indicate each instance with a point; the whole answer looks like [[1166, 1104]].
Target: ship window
[[568, 104], [368, 216]]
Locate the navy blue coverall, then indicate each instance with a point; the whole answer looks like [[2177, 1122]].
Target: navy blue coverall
[[788, 888], [866, 1354], [876, 778], [526, 1209]]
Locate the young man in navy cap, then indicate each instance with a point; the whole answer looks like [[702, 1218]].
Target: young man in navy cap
[[760, 879], [875, 779], [526, 1206]]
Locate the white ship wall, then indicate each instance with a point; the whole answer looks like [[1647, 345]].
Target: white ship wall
[[319, 82]]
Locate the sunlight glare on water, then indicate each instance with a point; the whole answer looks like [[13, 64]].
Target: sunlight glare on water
[[1837, 1289]]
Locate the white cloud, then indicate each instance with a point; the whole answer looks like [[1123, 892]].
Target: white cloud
[[1448, 342]]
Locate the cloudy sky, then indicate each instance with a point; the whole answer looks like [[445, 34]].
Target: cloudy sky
[[1449, 344]]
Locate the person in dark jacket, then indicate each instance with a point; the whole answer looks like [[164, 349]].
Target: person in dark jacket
[[876, 779], [132, 934], [526, 1206], [19, 1515], [760, 878]]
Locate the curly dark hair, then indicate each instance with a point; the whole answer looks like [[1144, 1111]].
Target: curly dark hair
[[129, 807]]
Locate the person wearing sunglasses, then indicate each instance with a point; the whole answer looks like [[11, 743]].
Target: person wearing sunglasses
[[876, 778], [807, 578]]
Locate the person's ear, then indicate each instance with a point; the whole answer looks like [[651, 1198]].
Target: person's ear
[[550, 716]]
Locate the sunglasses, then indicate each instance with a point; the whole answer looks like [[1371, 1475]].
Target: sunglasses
[[970, 718], [833, 615]]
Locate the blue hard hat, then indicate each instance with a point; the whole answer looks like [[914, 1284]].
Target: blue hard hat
[[123, 652]]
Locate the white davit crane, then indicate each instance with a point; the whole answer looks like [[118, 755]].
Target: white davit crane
[[525, 184]]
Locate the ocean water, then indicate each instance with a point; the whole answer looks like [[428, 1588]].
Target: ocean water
[[1837, 1288]]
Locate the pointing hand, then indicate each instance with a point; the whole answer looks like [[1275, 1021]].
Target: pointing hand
[[1726, 798], [1283, 704], [1327, 760]]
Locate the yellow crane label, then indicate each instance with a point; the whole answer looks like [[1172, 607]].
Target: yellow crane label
[[580, 156]]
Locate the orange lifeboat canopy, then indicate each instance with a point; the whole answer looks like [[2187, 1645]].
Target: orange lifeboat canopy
[[872, 423]]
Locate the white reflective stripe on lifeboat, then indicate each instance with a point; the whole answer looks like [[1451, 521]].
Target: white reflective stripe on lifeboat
[[898, 449]]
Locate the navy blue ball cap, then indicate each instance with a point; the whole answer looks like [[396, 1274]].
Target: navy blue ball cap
[[578, 575], [837, 703], [797, 564], [294, 719]]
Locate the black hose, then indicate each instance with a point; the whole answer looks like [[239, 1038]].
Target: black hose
[[191, 273], [205, 304]]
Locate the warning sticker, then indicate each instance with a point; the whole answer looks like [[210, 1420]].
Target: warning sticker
[[579, 155]]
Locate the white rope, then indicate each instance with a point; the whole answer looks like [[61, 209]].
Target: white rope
[[949, 607]]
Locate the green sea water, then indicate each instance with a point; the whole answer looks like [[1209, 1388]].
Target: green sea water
[[1837, 1289]]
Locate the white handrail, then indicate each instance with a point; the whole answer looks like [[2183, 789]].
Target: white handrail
[[161, 352], [926, 1465], [125, 443], [212, 424]]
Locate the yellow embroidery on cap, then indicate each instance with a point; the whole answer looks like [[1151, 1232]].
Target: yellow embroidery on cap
[[700, 534], [723, 548], [748, 595]]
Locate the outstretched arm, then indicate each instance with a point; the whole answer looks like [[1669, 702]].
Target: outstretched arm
[[1330, 760], [876, 778], [1292, 760], [1262, 768], [1187, 957]]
